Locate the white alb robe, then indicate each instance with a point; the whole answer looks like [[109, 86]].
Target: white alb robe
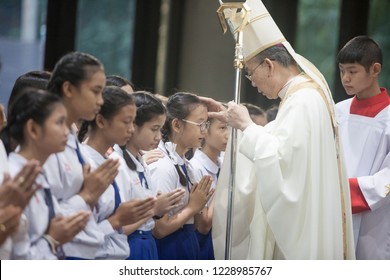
[[366, 142], [287, 201]]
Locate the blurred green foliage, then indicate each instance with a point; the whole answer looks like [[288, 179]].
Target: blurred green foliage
[[10, 18], [105, 30], [379, 30], [317, 34]]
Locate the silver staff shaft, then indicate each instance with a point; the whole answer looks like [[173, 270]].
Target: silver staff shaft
[[236, 15], [238, 65]]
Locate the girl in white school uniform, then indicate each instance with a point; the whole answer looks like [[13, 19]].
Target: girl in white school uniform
[[185, 128], [207, 161], [15, 193], [79, 79], [37, 124], [149, 120], [114, 124]]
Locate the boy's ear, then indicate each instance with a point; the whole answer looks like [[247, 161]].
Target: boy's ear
[[376, 69]]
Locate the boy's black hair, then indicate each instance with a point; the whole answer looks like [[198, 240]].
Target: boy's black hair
[[362, 50]]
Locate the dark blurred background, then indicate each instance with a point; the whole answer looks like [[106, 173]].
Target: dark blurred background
[[170, 45]]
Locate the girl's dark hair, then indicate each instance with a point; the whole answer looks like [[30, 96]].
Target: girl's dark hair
[[271, 113], [179, 106], [148, 107], [73, 67], [362, 50], [114, 80], [34, 79], [253, 109], [32, 103], [115, 99]]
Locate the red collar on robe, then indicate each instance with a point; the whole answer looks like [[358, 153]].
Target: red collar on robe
[[370, 107]]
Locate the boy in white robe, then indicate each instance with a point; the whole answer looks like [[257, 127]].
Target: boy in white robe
[[365, 135]]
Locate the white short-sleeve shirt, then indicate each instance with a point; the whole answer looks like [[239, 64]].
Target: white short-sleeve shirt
[[37, 215], [139, 190], [65, 175], [201, 165], [115, 244], [165, 177]]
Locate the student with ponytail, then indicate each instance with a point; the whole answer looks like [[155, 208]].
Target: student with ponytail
[[114, 124], [184, 128], [79, 79], [37, 124], [148, 122]]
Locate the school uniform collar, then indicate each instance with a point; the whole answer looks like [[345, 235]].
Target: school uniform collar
[[162, 147], [169, 149], [94, 155], [208, 163], [139, 162], [72, 138], [20, 161], [118, 150]]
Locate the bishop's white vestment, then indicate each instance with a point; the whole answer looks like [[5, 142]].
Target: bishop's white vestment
[[288, 201]]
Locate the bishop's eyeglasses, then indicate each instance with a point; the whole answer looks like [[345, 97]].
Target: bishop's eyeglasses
[[249, 75]]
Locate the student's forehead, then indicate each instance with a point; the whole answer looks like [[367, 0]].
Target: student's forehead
[[350, 65], [198, 111], [94, 76]]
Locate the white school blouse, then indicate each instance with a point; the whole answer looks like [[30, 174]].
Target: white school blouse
[[138, 190], [201, 165], [65, 175], [165, 177], [115, 246], [34, 246], [10, 247], [3, 162]]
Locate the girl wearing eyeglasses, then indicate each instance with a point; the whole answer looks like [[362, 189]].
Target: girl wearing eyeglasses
[[185, 127]]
